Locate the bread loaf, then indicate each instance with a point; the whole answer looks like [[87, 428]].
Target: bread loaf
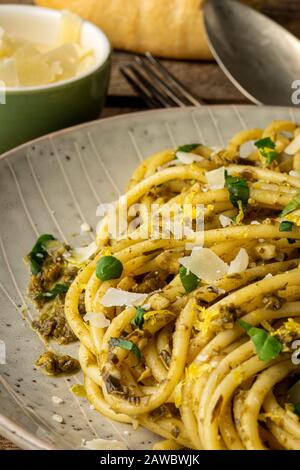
[[166, 28]]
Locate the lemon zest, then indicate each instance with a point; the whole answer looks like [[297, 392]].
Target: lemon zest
[[152, 314]]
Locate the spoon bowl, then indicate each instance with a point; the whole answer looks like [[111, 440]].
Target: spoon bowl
[[259, 56]]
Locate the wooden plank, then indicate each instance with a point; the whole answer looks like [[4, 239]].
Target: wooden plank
[[204, 79]]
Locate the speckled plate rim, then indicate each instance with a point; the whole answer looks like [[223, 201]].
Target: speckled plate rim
[[9, 428]]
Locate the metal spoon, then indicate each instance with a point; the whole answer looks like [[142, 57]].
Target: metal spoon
[[260, 57]]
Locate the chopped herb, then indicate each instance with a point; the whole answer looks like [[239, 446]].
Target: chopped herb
[[286, 226], [127, 345], [267, 346], [109, 267], [57, 290], [39, 253], [238, 219], [138, 320], [292, 205], [187, 148], [297, 409], [189, 280], [267, 150], [238, 190]]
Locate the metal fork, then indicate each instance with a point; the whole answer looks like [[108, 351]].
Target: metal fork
[[156, 85]]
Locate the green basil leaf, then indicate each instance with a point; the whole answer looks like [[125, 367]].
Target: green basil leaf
[[189, 280], [138, 320], [238, 190], [187, 148], [39, 253], [109, 267], [286, 226], [267, 149], [292, 205], [57, 290], [127, 345], [297, 409], [267, 346]]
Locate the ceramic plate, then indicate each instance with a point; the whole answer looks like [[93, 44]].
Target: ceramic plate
[[53, 185]]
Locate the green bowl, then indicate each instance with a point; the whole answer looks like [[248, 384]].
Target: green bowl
[[29, 112]]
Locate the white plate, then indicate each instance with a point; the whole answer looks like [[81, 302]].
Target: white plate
[[52, 185]]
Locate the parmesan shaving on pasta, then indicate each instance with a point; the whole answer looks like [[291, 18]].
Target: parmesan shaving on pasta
[[80, 256], [225, 221], [96, 319], [205, 264], [240, 263], [294, 146], [188, 157], [216, 178], [118, 298]]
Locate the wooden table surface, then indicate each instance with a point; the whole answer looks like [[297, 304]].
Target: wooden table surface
[[203, 79]]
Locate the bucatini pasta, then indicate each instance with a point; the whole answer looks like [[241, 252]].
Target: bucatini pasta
[[197, 341]]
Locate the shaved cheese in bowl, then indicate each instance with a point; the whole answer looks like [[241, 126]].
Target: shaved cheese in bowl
[[8, 72], [104, 444], [188, 157], [205, 264], [70, 28], [294, 146], [96, 319], [119, 298], [216, 178], [240, 263], [26, 63]]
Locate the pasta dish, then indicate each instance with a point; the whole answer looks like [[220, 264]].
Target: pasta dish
[[196, 339]]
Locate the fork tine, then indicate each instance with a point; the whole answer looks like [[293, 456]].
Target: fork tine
[[139, 88], [165, 87], [163, 100], [165, 72]]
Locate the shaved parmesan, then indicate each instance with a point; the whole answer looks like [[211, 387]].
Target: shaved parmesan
[[26, 63], [57, 400], [188, 157], [57, 418], [8, 72], [103, 444], [70, 28], [295, 174], [81, 255], [96, 319], [225, 221], [216, 178], [205, 264], [294, 146], [118, 298], [268, 276], [240, 263], [85, 227]]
